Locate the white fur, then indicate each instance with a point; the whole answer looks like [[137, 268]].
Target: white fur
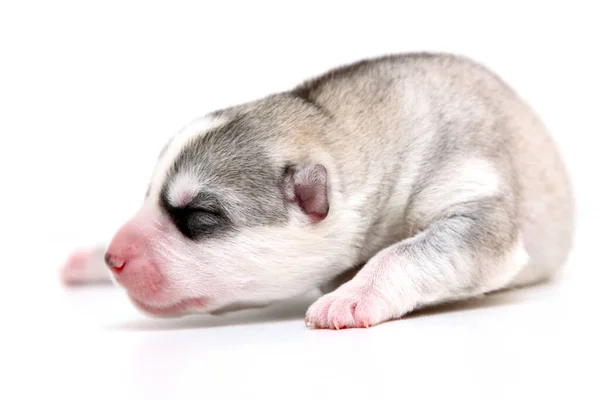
[[258, 264], [184, 186], [475, 178], [515, 262], [469, 180], [194, 129]]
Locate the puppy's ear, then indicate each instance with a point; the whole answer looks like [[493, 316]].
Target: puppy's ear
[[306, 186]]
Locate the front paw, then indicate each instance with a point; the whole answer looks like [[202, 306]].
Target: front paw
[[350, 306]]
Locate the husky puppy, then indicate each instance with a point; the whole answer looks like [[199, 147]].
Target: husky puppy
[[392, 184]]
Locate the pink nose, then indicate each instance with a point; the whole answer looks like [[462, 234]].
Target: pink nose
[[129, 259], [126, 245], [114, 262]]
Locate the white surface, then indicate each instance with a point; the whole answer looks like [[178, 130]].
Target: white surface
[[535, 343], [90, 93]]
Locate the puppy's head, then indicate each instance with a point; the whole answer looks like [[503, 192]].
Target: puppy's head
[[237, 212]]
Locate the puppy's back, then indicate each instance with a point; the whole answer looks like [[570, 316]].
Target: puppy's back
[[405, 117]]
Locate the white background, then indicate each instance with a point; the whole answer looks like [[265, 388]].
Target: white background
[[89, 92]]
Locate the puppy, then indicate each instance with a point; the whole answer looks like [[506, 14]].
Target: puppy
[[392, 184]]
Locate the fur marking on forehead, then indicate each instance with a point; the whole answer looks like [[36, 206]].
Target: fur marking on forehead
[[193, 130], [182, 189]]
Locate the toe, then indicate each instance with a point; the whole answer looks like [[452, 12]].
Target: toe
[[341, 314], [316, 316]]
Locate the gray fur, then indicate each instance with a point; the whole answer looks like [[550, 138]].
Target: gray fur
[[234, 161]]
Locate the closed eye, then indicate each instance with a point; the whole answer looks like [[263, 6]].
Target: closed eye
[[196, 213], [201, 210], [202, 217], [197, 222]]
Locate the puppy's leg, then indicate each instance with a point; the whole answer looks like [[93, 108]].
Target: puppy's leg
[[474, 249], [85, 266]]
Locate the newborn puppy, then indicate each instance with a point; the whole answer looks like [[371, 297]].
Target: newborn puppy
[[392, 184]]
